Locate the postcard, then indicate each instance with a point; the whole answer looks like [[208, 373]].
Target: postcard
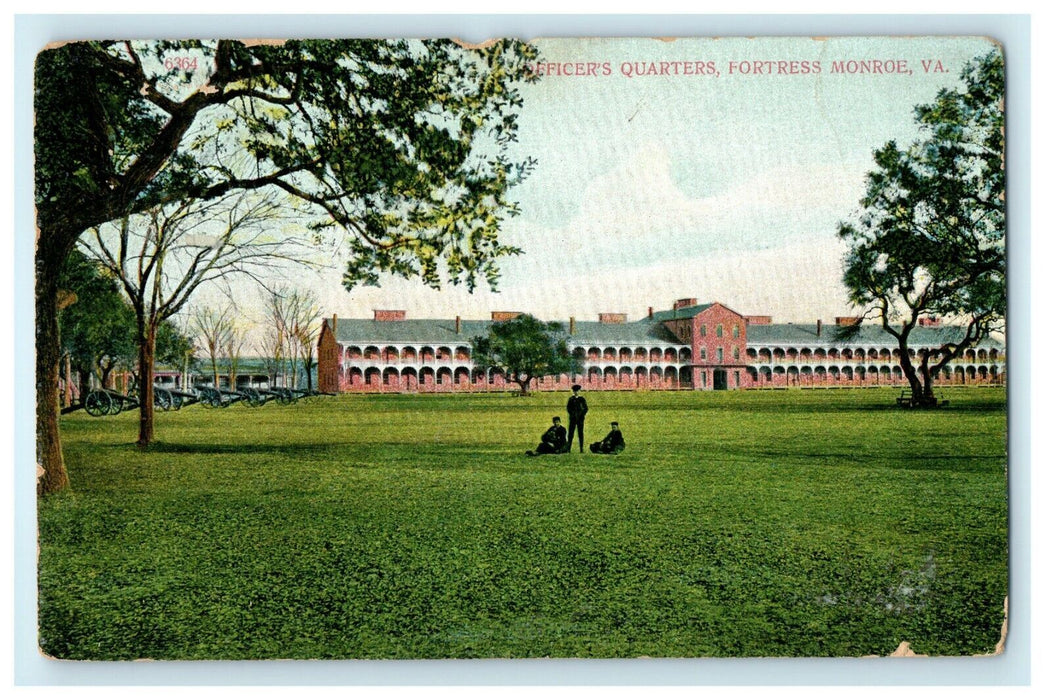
[[567, 348]]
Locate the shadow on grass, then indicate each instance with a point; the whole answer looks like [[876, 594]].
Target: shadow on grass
[[239, 448]]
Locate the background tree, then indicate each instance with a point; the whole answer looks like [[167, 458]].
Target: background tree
[[929, 238], [163, 256], [97, 325], [212, 326], [403, 144], [524, 348], [235, 342]]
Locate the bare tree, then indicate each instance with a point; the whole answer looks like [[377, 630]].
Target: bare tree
[[235, 342], [293, 318], [212, 327], [161, 257]]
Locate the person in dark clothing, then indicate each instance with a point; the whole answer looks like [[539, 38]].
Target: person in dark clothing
[[553, 441], [576, 407], [612, 444]]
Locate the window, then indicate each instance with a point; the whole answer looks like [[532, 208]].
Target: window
[[703, 354], [737, 355], [735, 331], [719, 330], [703, 329], [719, 354]]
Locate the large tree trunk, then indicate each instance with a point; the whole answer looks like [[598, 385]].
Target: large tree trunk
[[147, 343], [52, 475]]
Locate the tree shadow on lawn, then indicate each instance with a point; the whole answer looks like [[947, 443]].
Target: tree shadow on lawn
[[210, 448]]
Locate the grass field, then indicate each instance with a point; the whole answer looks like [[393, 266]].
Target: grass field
[[800, 523]]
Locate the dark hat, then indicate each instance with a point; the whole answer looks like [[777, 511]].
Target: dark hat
[[613, 422], [576, 387], [556, 418]]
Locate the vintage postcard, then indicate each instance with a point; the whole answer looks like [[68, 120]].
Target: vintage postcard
[[568, 348]]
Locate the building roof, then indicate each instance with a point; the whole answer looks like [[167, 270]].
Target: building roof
[[443, 332], [354, 331], [869, 334], [684, 312]]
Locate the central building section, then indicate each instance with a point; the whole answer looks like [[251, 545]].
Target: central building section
[[691, 346]]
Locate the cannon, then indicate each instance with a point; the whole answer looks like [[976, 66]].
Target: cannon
[[107, 402], [211, 397], [181, 398]]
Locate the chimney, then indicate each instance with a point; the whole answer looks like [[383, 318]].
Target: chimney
[[819, 331], [458, 325], [573, 325], [388, 315], [650, 312], [683, 303], [334, 324], [612, 318], [758, 320], [504, 315], [847, 320]]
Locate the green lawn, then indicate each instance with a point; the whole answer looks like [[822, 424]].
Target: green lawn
[[788, 523]]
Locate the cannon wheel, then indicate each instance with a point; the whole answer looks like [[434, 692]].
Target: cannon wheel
[[97, 403], [208, 397], [116, 405], [162, 398], [252, 397], [285, 397], [177, 402]]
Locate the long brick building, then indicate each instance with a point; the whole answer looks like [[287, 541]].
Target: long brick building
[[690, 346]]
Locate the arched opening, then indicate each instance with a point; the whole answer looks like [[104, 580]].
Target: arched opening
[[357, 378], [594, 354], [427, 378], [684, 356], [640, 355], [427, 355], [595, 376], [686, 380], [609, 354], [671, 377], [462, 377], [409, 355], [444, 377], [641, 376], [670, 354], [372, 353], [444, 354], [354, 353], [462, 353], [655, 378], [610, 376], [409, 379], [372, 377], [655, 354], [625, 355], [389, 355], [390, 378]]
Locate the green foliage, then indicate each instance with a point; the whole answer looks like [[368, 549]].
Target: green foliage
[[802, 523], [402, 143], [929, 238], [524, 348], [98, 328]]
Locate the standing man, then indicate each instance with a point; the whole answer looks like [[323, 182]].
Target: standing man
[[576, 407]]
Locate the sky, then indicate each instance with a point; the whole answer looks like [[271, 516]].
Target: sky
[[722, 186]]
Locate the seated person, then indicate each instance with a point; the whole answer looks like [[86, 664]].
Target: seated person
[[612, 444], [553, 441]]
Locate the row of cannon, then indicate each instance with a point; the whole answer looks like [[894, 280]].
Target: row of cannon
[[107, 402]]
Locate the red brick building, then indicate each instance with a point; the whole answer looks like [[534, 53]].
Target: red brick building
[[690, 346]]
